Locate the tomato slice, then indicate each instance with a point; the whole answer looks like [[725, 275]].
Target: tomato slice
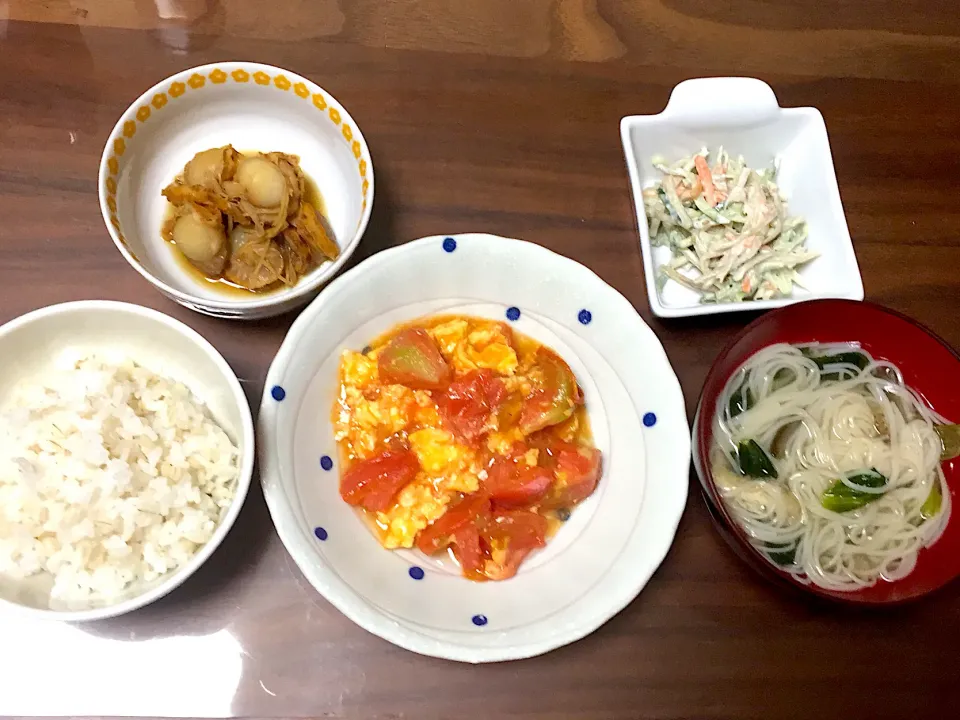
[[524, 529], [468, 402], [469, 552], [374, 483], [508, 415], [511, 536], [487, 546], [412, 358], [556, 395], [512, 483], [471, 511], [577, 472]]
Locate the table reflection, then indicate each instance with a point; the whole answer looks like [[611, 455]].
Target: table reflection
[[51, 668]]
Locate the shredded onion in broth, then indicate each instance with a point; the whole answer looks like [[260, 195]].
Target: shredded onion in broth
[[850, 435]]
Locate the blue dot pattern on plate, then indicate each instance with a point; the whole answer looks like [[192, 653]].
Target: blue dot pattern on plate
[[278, 393], [513, 314], [416, 572], [449, 244], [320, 532], [326, 462], [479, 620], [650, 419], [584, 316]]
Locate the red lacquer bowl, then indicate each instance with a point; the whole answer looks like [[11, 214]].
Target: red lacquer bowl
[[929, 366]]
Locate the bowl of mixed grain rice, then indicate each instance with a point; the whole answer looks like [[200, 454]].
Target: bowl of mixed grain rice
[[126, 451]]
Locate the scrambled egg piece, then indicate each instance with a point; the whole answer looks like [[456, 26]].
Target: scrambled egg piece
[[570, 430], [500, 443], [358, 370], [418, 505], [518, 383], [435, 449], [368, 413], [454, 467], [448, 468], [448, 335], [426, 413], [488, 346]]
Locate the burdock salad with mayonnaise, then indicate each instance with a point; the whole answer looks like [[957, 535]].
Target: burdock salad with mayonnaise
[[727, 228]]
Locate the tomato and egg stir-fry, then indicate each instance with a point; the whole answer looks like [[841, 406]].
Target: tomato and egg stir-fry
[[459, 434]]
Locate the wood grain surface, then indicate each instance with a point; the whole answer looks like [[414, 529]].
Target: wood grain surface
[[502, 116]]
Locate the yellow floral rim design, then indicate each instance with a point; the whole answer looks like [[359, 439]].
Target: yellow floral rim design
[[218, 77]]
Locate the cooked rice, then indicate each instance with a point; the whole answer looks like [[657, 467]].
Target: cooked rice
[[110, 476]]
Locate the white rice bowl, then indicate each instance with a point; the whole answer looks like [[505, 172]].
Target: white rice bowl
[[111, 476]]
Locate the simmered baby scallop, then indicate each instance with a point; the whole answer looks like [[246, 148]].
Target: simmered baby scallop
[[201, 241], [263, 182], [207, 167]]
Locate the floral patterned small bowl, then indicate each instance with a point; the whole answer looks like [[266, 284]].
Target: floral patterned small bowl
[[255, 108]]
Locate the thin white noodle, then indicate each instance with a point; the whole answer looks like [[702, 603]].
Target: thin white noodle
[[826, 427]]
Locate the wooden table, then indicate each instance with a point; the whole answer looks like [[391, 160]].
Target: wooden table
[[500, 116]]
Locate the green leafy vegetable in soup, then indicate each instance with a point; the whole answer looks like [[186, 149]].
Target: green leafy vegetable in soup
[[841, 497], [754, 460]]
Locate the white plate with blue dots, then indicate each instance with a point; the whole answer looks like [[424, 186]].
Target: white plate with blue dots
[[597, 562]]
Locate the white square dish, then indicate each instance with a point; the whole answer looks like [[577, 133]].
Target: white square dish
[[743, 115]]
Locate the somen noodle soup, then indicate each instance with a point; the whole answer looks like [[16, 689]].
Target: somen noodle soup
[[831, 464]]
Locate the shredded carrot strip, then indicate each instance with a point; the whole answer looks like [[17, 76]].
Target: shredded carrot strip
[[706, 179]]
